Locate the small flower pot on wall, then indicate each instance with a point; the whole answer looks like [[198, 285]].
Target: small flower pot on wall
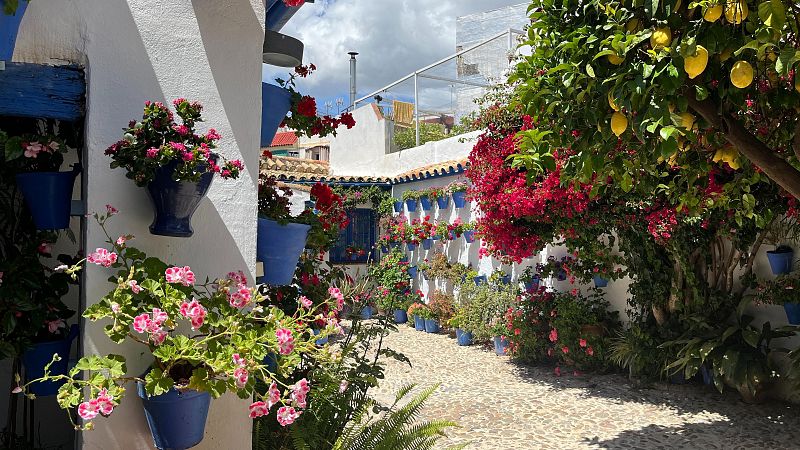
[[425, 201], [411, 205], [452, 235], [479, 280], [39, 355], [400, 316], [780, 260], [174, 202], [48, 195], [427, 244], [469, 236], [419, 323], [395, 244], [177, 419], [562, 275], [500, 345], [275, 103], [505, 279], [411, 246], [792, 313], [533, 284], [9, 28], [412, 271], [398, 206], [431, 326], [599, 282], [464, 338], [443, 202], [367, 312], [279, 248], [460, 199]]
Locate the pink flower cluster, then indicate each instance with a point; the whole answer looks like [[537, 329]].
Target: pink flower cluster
[[239, 295], [285, 341], [261, 408], [182, 275], [336, 293], [32, 149], [143, 323], [102, 404], [102, 257], [305, 302], [195, 312], [240, 374]]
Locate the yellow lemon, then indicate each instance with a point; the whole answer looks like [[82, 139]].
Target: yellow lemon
[[632, 26], [736, 11], [619, 123], [728, 155], [713, 13], [661, 38], [688, 121], [611, 102], [615, 59], [742, 74], [695, 65]]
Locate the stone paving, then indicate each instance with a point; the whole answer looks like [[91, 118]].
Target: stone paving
[[502, 405]]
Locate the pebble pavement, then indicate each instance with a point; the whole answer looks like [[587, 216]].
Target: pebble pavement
[[502, 405]]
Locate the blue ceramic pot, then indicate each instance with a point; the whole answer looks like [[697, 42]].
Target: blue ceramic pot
[[464, 338], [443, 202], [469, 236], [533, 284], [436, 237], [479, 280], [419, 323], [500, 345], [275, 103], [9, 27], [460, 199], [792, 313], [279, 247], [400, 316], [177, 419], [367, 312], [395, 244], [780, 260], [452, 235], [174, 202], [426, 203], [431, 326], [427, 244], [309, 204], [398, 206], [411, 246], [505, 279], [562, 275], [320, 341], [599, 281], [271, 362], [384, 249], [411, 205], [39, 355], [412, 271], [48, 196]]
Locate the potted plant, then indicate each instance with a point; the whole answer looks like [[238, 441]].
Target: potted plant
[[468, 229], [458, 190], [204, 339], [442, 308], [783, 290], [411, 197], [397, 205], [418, 311], [412, 272], [530, 279], [780, 234], [458, 322], [425, 200], [500, 341], [499, 276], [47, 192], [441, 231], [441, 195], [173, 162], [11, 12], [430, 320], [424, 267]]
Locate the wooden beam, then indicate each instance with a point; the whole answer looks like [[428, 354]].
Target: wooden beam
[[39, 91]]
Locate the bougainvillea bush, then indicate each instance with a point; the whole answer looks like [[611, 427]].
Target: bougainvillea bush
[[210, 336]]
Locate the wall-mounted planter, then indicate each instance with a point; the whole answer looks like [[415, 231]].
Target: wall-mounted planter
[[469, 236], [431, 326], [367, 312], [39, 355], [419, 323], [792, 313], [505, 279], [411, 246], [400, 316], [599, 282], [427, 244], [479, 280], [412, 271], [395, 245], [460, 199], [532, 285], [177, 419], [780, 260], [275, 103], [464, 338], [398, 206], [174, 202], [279, 247], [48, 196], [425, 201], [561, 275], [443, 202], [452, 235], [411, 205], [9, 28], [500, 345]]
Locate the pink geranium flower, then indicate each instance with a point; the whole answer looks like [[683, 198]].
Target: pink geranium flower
[[553, 335], [182, 275], [102, 257], [135, 288], [287, 415], [305, 301], [273, 395], [258, 409], [195, 312], [285, 341], [241, 375], [582, 342]]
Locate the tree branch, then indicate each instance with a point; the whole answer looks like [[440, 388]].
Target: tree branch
[[796, 140]]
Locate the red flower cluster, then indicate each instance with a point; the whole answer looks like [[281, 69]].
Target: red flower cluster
[[307, 106], [292, 3], [329, 205], [661, 223]]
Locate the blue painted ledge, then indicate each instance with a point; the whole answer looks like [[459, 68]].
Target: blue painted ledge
[[39, 91]]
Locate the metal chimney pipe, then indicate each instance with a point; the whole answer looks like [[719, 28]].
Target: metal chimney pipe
[[352, 79]]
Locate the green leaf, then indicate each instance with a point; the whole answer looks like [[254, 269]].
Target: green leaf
[[589, 70], [626, 182], [156, 383], [772, 13], [13, 148]]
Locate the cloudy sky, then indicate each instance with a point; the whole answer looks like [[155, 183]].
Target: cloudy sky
[[393, 38]]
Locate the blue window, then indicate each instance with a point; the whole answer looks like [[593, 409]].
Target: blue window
[[359, 235]]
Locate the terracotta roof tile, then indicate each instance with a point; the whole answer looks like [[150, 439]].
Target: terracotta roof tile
[[288, 169], [284, 138], [451, 167]]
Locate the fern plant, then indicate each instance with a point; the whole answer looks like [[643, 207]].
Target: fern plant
[[397, 427]]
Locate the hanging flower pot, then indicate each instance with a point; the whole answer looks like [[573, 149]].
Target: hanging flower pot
[[436, 237], [792, 313], [177, 419], [39, 355], [426, 203], [460, 199], [505, 279], [419, 323], [411, 246], [412, 271], [443, 201], [780, 260], [427, 244], [469, 236], [279, 248], [400, 316], [398, 206], [174, 202], [464, 338], [275, 103], [411, 205], [48, 196], [9, 28], [452, 235], [367, 312], [479, 280], [533, 284], [500, 345], [562, 275], [431, 326], [599, 282]]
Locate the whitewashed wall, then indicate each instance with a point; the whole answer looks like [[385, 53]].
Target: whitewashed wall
[[137, 50]]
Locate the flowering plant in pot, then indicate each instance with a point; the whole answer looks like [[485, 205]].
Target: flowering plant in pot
[[458, 190], [783, 290], [204, 338], [441, 195], [442, 306], [441, 231], [411, 197], [174, 162], [36, 160], [781, 233], [418, 311]]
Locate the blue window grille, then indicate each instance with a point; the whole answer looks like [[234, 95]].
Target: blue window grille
[[360, 233]]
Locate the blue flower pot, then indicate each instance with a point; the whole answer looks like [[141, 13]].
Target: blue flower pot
[[792, 313], [412, 272], [398, 206], [309, 204], [48, 195], [419, 323], [367, 312], [411, 246], [9, 27], [400, 316], [279, 248], [426, 203], [780, 260], [460, 199], [431, 326], [443, 202], [500, 345], [469, 236], [271, 362], [599, 282], [479, 280], [708, 375], [320, 341], [532, 285], [177, 419], [39, 355], [505, 279], [411, 205], [562, 275], [464, 338], [174, 202], [452, 235], [275, 103], [427, 244], [436, 237]]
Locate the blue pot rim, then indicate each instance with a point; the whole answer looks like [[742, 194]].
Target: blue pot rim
[[294, 226], [276, 90]]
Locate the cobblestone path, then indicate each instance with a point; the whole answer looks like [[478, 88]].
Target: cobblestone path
[[502, 405]]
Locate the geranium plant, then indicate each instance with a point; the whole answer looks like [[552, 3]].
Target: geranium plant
[[158, 140], [456, 186], [33, 153], [210, 336], [303, 118]]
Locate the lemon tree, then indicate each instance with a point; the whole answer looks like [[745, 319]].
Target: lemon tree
[[654, 94]]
